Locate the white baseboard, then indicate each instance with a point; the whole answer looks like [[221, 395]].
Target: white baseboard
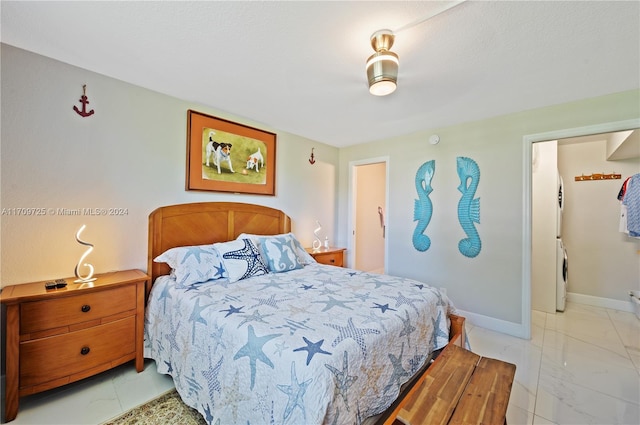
[[517, 329], [498, 325], [601, 302]]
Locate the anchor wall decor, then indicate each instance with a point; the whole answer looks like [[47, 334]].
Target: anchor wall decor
[[312, 159], [85, 102]]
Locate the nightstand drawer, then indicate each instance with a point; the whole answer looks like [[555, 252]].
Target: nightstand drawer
[[330, 258], [82, 307], [48, 359]]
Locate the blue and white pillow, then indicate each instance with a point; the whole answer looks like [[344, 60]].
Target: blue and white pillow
[[304, 257], [193, 264], [280, 253], [241, 259]]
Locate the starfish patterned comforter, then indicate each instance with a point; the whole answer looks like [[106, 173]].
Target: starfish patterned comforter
[[316, 345]]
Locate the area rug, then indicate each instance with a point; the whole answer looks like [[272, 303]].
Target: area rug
[[164, 410]]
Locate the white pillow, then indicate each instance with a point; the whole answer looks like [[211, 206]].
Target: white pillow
[[304, 257], [241, 259], [193, 264]]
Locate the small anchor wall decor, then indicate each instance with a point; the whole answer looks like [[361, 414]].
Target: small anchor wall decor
[[312, 160], [84, 101]]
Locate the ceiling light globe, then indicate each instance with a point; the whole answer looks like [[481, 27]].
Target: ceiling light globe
[[382, 88]]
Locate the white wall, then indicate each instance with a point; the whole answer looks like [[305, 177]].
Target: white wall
[[603, 263], [544, 193], [130, 154]]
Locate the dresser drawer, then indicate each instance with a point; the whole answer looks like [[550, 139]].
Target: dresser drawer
[[82, 307], [46, 359], [330, 258]]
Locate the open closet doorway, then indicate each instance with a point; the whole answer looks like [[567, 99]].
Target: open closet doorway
[[543, 296], [368, 219]]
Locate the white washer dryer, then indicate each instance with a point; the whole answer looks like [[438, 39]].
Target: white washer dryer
[[562, 275], [560, 207]]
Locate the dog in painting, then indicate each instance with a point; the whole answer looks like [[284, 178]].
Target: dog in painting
[[218, 152], [252, 161]]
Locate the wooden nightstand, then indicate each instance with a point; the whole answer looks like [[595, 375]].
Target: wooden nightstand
[[58, 336], [332, 256]]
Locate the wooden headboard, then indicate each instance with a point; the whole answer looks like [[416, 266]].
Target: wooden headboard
[[206, 223]]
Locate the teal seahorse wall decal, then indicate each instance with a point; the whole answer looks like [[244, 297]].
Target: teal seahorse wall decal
[[469, 208], [423, 208]]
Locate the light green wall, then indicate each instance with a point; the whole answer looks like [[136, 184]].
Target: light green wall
[[130, 154], [490, 284]]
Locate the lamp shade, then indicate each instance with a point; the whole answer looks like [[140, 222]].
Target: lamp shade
[[382, 66]]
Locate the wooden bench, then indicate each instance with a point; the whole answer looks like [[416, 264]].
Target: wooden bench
[[457, 332], [460, 387]]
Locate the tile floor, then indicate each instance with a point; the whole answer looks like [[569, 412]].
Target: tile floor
[[580, 367]]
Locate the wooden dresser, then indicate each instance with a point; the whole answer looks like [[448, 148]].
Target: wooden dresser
[[332, 256], [58, 336]]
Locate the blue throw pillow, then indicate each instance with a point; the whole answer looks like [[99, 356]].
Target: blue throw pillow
[[280, 253]]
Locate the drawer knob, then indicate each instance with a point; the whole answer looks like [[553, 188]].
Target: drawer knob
[[332, 260], [85, 308], [85, 350]]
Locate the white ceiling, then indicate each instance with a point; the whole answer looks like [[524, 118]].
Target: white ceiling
[[298, 66]]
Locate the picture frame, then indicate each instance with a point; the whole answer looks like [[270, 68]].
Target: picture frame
[[247, 166]]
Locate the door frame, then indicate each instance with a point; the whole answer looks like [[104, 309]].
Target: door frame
[[351, 251], [529, 140]]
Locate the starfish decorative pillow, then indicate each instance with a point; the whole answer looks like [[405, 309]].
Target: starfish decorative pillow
[[241, 259]]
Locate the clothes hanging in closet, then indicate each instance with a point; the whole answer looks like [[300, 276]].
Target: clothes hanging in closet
[[630, 207]]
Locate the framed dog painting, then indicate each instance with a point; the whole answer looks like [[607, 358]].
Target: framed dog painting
[[224, 156]]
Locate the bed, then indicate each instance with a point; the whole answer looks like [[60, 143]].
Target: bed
[[296, 342]]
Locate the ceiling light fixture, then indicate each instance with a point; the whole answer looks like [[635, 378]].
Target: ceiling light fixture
[[382, 66]]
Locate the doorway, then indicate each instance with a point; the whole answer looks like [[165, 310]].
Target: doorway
[[529, 140], [368, 217], [587, 225]]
